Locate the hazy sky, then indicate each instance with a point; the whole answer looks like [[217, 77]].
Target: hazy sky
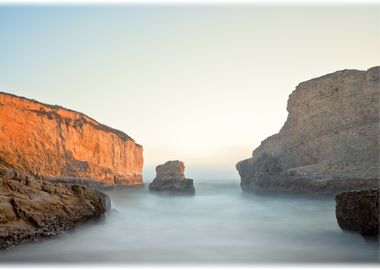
[[201, 84]]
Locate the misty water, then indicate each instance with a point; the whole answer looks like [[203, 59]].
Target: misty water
[[220, 224]]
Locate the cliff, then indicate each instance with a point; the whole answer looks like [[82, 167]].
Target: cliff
[[64, 145], [329, 142]]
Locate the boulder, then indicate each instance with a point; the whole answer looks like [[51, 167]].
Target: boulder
[[359, 211], [329, 142], [32, 209], [170, 178]]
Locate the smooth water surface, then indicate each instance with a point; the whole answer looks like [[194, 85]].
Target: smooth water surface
[[220, 224]]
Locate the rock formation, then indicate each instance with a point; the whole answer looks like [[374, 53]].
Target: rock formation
[[359, 211], [170, 177], [64, 145], [329, 142], [31, 209]]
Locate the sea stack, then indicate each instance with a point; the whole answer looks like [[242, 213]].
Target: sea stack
[[329, 142], [170, 178], [62, 145], [32, 209]]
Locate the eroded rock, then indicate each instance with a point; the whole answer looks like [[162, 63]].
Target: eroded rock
[[31, 209], [329, 142], [59, 144], [170, 177]]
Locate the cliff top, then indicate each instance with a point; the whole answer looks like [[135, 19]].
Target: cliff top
[[326, 81], [372, 72], [43, 108]]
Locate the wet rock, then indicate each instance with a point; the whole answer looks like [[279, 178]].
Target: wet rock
[[32, 209], [170, 178], [359, 211]]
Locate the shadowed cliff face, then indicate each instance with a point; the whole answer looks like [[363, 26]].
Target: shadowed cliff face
[[329, 142], [63, 145]]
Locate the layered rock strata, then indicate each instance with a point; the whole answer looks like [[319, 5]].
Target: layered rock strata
[[59, 144], [170, 178], [31, 209], [329, 142], [359, 211]]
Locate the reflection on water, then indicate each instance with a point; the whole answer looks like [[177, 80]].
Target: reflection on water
[[219, 224]]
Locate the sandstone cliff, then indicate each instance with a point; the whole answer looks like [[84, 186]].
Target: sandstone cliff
[[31, 209], [64, 145], [329, 142]]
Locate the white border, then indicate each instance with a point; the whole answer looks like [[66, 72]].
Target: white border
[[197, 2]]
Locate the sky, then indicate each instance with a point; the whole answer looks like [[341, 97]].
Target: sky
[[202, 84]]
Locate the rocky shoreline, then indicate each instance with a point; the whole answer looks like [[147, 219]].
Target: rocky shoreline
[[88, 182], [32, 209], [308, 186], [328, 145]]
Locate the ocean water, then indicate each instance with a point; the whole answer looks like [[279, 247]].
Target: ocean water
[[220, 224]]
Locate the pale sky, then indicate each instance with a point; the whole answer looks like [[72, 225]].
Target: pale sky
[[201, 84]]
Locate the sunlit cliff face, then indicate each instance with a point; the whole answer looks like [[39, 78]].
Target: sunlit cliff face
[[53, 141]]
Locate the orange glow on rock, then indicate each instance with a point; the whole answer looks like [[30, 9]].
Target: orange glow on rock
[[55, 142]]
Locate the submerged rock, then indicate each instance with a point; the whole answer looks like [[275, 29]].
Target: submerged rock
[[329, 142], [359, 211], [170, 177], [31, 209]]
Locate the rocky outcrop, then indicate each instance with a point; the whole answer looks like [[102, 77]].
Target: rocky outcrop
[[359, 211], [170, 177], [31, 209], [64, 145], [329, 142]]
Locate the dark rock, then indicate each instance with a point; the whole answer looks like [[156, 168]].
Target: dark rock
[[173, 186], [359, 211], [32, 209]]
